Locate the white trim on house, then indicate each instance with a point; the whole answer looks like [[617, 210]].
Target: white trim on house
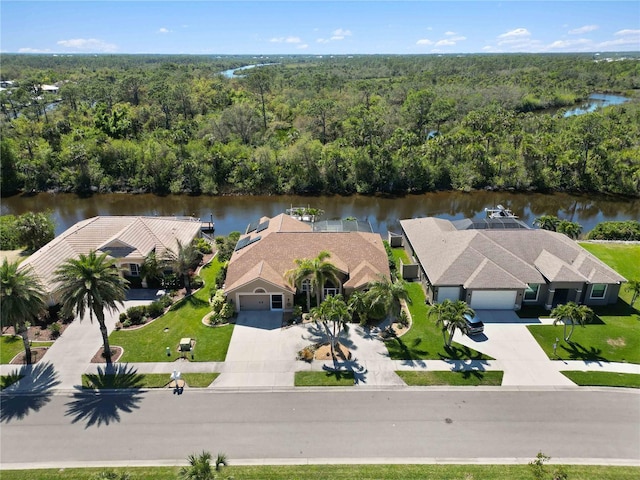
[[604, 292]]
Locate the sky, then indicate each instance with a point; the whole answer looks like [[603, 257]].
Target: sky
[[310, 27]]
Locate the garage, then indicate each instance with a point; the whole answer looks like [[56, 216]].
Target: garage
[[255, 302], [493, 299]]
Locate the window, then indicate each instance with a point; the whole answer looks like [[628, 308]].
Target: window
[[598, 290], [276, 302], [134, 268], [306, 285], [531, 293], [329, 292], [259, 290]]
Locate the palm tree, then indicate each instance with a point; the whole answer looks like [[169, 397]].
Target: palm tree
[[91, 282], [451, 317], [152, 268], [634, 287], [22, 298], [199, 468], [570, 229], [359, 305], [387, 294], [318, 271], [571, 313], [547, 222], [184, 261], [334, 315]]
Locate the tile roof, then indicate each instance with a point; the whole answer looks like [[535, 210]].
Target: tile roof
[[286, 239], [500, 259], [120, 236]]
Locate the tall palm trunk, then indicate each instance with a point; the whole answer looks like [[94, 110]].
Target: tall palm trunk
[[24, 333], [452, 331], [105, 336]]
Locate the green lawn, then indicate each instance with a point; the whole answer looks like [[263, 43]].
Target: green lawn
[[324, 379], [603, 379], [469, 378], [615, 336], [8, 380], [342, 472], [148, 344], [145, 380], [424, 340], [10, 346], [400, 254]]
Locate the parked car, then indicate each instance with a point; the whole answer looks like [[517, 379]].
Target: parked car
[[474, 325]]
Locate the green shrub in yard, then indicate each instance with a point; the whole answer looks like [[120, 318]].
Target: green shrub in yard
[[136, 315], [155, 309], [166, 301], [202, 245], [196, 282], [54, 328], [123, 316]]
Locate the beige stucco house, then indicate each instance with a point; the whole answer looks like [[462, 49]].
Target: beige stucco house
[[505, 267], [256, 272], [126, 239]]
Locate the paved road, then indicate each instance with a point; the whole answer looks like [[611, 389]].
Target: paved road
[[396, 425]]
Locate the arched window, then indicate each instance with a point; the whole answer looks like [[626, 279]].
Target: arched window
[[259, 290]]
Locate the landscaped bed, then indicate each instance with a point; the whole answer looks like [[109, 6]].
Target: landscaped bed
[[12, 350], [183, 320]]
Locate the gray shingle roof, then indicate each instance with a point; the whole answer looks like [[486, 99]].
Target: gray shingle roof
[[500, 259]]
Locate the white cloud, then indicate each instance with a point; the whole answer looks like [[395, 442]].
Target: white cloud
[[627, 33], [517, 33], [445, 43], [33, 50], [164, 30], [286, 40], [322, 40], [584, 29], [424, 41], [342, 33], [88, 45], [566, 44], [303, 46], [449, 33]]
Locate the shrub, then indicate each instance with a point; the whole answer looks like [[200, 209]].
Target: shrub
[[8, 233], [126, 324], [227, 311], [171, 281], [221, 276], [306, 354], [165, 301], [155, 309], [404, 319], [136, 314], [119, 326], [218, 300], [216, 319], [54, 328], [123, 316], [627, 230], [197, 282], [202, 245]]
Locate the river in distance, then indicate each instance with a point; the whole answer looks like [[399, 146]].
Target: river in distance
[[234, 213]]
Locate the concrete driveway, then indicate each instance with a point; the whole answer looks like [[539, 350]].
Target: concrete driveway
[[507, 339]]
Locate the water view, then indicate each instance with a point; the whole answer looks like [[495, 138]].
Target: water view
[[595, 101], [235, 212]]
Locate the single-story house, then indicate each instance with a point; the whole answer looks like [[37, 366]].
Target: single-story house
[[256, 271], [505, 267], [126, 239]]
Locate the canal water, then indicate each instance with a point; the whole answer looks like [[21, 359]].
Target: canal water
[[236, 212]]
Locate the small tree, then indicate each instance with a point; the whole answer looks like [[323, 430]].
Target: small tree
[[547, 222], [570, 229], [573, 314], [317, 271], [35, 230], [451, 317], [359, 306], [334, 316], [184, 261], [633, 286]]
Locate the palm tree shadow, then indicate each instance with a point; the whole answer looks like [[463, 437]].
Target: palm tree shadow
[[410, 354], [31, 392], [100, 404], [347, 369], [459, 352], [578, 352]]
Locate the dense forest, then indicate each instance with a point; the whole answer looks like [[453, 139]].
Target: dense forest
[[317, 125]]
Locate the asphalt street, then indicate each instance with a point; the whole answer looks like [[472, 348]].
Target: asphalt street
[[411, 425]]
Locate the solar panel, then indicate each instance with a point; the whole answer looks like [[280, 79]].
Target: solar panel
[[243, 242], [254, 240], [263, 226], [251, 227]]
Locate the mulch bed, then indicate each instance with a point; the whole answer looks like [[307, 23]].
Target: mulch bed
[[116, 353], [36, 355], [37, 333], [323, 352]]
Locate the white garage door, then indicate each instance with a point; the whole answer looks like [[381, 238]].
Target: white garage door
[[448, 293], [255, 302], [493, 299]]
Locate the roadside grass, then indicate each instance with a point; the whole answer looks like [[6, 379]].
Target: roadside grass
[[323, 379], [11, 345], [144, 380], [8, 380], [424, 340], [340, 472], [615, 335], [183, 320], [469, 378], [603, 379]]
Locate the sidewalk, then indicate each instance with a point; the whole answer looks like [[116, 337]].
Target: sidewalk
[[262, 354]]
